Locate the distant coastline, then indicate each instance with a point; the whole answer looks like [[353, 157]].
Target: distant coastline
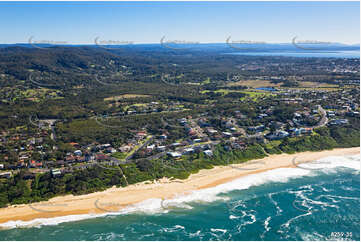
[[271, 49], [115, 199], [303, 54]]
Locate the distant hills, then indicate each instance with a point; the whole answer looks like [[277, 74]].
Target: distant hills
[[207, 46]]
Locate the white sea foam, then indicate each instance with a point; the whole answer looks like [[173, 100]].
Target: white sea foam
[[279, 210], [148, 206], [212, 194], [204, 195], [266, 227], [233, 217], [47, 221], [219, 230], [266, 224], [331, 162]]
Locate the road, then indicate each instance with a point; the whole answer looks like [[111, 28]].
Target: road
[[324, 120], [53, 135], [129, 157]]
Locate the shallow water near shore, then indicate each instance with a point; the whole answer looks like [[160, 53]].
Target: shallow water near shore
[[280, 204]]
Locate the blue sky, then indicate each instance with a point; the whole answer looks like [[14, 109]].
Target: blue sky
[[205, 22]]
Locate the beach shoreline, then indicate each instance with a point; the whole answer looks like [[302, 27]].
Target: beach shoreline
[[114, 199]]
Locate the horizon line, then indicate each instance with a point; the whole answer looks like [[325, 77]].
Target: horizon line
[[192, 43]]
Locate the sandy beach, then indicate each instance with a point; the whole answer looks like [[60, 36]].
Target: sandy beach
[[113, 199]]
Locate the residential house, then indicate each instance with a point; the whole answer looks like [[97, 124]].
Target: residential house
[[125, 148], [258, 128], [174, 154], [208, 152], [188, 151], [150, 148], [78, 153], [338, 122], [55, 172], [111, 150], [197, 140], [176, 144], [227, 134], [277, 135], [5, 175], [163, 136], [161, 148], [212, 131]]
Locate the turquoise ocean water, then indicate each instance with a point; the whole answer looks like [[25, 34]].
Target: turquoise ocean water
[[319, 201]]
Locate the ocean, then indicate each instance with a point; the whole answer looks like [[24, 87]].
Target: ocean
[[317, 201], [318, 54]]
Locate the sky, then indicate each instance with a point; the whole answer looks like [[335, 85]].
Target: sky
[[203, 22]]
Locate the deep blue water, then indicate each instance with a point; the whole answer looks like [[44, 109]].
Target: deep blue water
[[328, 54], [283, 204]]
